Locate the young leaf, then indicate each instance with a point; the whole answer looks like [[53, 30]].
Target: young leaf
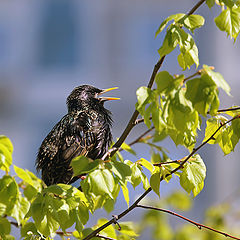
[[203, 94], [146, 164], [121, 170], [125, 193], [175, 17], [155, 181], [5, 227], [6, 142], [101, 182], [128, 228], [142, 96], [229, 21], [193, 175], [20, 209], [217, 78], [193, 21], [82, 165], [128, 148], [210, 3], [166, 83]]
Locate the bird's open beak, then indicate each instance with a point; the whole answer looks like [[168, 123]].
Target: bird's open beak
[[107, 98]]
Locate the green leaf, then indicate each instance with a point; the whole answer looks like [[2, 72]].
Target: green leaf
[[82, 165], [142, 96], [193, 21], [44, 215], [7, 143], [210, 3], [145, 181], [5, 158], [146, 164], [128, 228], [127, 148], [229, 3], [229, 21], [181, 119], [121, 170], [108, 231], [125, 193], [193, 175], [155, 181], [5, 227], [23, 175], [217, 78], [169, 43], [175, 17], [136, 175], [20, 209], [28, 229], [9, 193], [203, 94], [189, 52], [101, 181], [83, 212], [166, 83]]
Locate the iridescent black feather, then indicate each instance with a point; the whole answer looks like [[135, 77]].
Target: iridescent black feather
[[85, 130]]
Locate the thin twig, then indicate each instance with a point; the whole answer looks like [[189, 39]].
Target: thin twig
[[140, 120], [124, 135], [200, 146], [193, 75], [15, 224], [131, 122], [195, 7], [104, 237], [61, 233], [134, 205], [199, 225], [168, 162], [138, 139], [229, 109]]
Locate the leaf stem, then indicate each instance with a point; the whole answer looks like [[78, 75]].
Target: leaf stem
[[199, 225], [138, 139]]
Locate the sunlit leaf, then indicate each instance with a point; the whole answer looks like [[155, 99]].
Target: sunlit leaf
[[229, 21], [82, 165], [174, 17], [193, 175], [155, 182]]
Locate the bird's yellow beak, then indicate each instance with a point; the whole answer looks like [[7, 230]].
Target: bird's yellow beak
[[108, 98]]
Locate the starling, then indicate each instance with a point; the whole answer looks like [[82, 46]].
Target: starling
[[84, 130]]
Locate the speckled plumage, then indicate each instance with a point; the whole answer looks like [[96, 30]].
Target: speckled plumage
[[84, 130]]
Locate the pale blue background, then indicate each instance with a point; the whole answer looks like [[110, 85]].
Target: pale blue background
[[48, 47]]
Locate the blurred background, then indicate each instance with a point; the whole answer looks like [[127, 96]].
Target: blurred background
[[48, 47]]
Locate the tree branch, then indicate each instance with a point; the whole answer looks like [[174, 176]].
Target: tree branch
[[195, 7], [135, 204], [229, 109], [115, 218], [138, 139], [104, 237], [123, 137], [131, 122], [199, 225], [200, 146]]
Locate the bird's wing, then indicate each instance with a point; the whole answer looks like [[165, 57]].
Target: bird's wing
[[70, 137]]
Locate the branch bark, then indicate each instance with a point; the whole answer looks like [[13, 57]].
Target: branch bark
[[132, 120], [135, 204], [199, 225]]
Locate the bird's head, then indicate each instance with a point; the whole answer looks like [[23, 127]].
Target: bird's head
[[86, 95]]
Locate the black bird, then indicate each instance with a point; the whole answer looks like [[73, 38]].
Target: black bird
[[84, 130]]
